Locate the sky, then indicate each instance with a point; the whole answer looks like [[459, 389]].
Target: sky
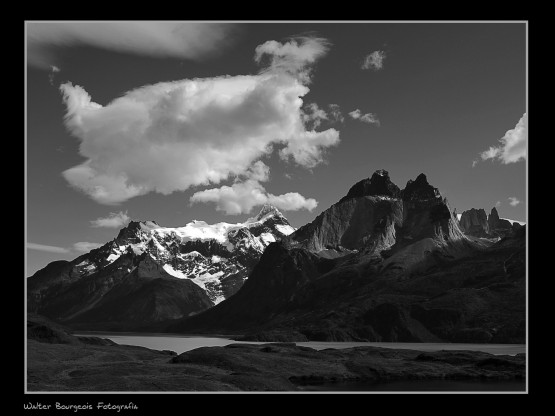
[[181, 121]]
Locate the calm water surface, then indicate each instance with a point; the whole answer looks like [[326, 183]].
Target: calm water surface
[[181, 343]]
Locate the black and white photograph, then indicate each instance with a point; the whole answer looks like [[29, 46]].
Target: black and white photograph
[[305, 207]]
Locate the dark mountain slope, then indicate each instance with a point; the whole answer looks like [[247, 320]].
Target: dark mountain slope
[[130, 291], [409, 275], [150, 273]]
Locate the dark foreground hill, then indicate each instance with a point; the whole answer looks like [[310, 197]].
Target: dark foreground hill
[[68, 363]]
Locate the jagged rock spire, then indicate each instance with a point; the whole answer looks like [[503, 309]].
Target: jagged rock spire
[[378, 185], [419, 189]]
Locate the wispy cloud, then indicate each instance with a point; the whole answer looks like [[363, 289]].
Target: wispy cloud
[[369, 118], [141, 142], [49, 249], [81, 247], [85, 247], [335, 113], [189, 40], [513, 145], [294, 57], [242, 196], [513, 201], [374, 61], [53, 70], [314, 115], [498, 203], [113, 220]]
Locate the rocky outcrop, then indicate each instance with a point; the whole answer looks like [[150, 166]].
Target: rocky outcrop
[[500, 227], [43, 330], [378, 185], [419, 189], [351, 225], [427, 213], [475, 222], [375, 216]]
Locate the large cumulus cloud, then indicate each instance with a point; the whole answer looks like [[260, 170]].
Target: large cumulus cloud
[[171, 136]]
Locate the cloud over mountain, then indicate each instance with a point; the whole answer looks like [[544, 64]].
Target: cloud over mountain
[[47, 248], [113, 220], [170, 136], [242, 196], [85, 247], [81, 247]]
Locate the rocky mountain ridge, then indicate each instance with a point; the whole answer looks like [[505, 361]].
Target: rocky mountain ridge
[[475, 222], [382, 264], [202, 264]]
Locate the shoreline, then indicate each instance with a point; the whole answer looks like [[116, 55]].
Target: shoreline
[[495, 349], [151, 334], [59, 361]]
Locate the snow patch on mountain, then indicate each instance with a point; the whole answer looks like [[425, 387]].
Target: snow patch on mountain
[[112, 257], [207, 254], [138, 249], [285, 229], [267, 238], [176, 273], [513, 221], [209, 282], [85, 267], [193, 254], [200, 230]]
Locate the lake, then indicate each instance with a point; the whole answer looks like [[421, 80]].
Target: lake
[[182, 343]]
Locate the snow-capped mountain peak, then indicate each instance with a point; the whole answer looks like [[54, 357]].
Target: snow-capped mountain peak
[[268, 211], [217, 257]]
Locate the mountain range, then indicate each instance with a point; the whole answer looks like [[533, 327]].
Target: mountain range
[[150, 273], [381, 264]]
